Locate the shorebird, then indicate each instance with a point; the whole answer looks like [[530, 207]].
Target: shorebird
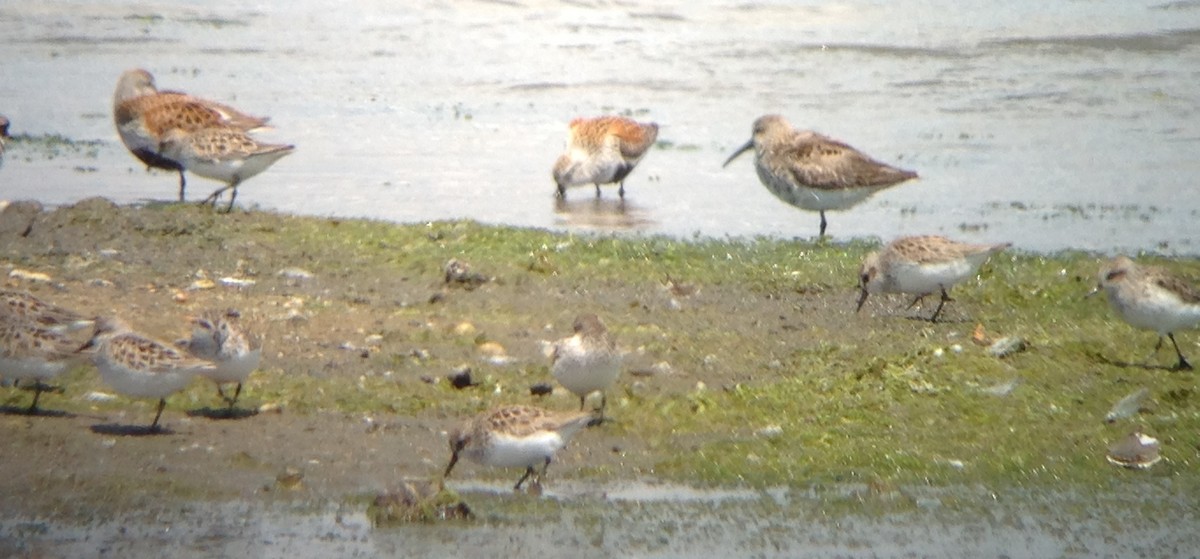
[[922, 265], [22, 305], [144, 115], [1151, 298], [220, 337], [587, 361], [141, 367], [222, 153], [602, 150], [815, 172], [515, 436], [32, 352]]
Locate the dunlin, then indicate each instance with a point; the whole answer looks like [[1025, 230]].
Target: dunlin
[[922, 265], [222, 153], [31, 352], [602, 150], [222, 338], [588, 361], [22, 305], [515, 436], [144, 115], [815, 172], [1149, 297], [140, 367]]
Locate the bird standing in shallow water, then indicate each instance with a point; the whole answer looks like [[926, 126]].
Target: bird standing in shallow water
[[223, 153], [516, 436], [1151, 298], [602, 150], [815, 172], [144, 115]]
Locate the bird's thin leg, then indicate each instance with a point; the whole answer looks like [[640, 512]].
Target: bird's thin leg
[[582, 399], [528, 472], [162, 403], [621, 190], [233, 194], [37, 392], [597, 189], [182, 184], [941, 303], [1183, 364], [823, 224], [916, 300]]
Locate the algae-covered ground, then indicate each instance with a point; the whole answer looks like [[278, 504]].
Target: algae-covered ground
[[747, 364]]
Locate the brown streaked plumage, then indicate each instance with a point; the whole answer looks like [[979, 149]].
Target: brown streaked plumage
[[144, 115], [222, 153], [602, 150], [1151, 298], [922, 265], [515, 436], [22, 305], [32, 352], [815, 172], [139, 366]]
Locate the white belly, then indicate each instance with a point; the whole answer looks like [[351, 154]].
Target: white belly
[[235, 369], [33, 369], [928, 278], [1157, 310], [140, 384], [510, 452], [584, 372]]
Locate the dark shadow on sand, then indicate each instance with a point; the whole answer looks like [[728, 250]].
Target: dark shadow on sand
[[40, 412], [1127, 365], [130, 430], [223, 413]]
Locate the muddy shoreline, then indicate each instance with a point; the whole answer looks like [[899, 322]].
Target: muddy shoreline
[[757, 378]]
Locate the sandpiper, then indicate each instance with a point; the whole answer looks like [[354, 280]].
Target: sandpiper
[[602, 150], [587, 361], [516, 436], [144, 115], [23, 305], [222, 153], [31, 352], [922, 265], [1151, 298], [222, 338], [138, 366], [815, 172]]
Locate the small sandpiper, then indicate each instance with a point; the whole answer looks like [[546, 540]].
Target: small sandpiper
[[587, 361], [516, 436], [922, 265], [221, 153], [222, 338], [1151, 298], [140, 367]]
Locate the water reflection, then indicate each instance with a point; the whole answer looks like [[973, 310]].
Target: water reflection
[[603, 214]]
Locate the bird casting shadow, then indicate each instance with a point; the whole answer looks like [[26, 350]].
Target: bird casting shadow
[[24, 410], [114, 429], [1099, 358], [223, 413]]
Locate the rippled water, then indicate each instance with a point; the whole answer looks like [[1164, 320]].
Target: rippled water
[[1068, 124]]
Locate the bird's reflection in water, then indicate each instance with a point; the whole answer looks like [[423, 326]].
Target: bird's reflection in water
[[609, 214]]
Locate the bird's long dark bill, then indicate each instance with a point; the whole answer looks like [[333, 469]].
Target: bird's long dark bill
[[862, 298], [450, 466], [745, 147]]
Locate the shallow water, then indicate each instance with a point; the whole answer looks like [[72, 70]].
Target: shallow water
[[647, 520], [1064, 125]]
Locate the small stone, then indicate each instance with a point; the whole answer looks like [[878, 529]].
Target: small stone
[[1137, 451], [541, 389], [461, 378], [1006, 346]]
